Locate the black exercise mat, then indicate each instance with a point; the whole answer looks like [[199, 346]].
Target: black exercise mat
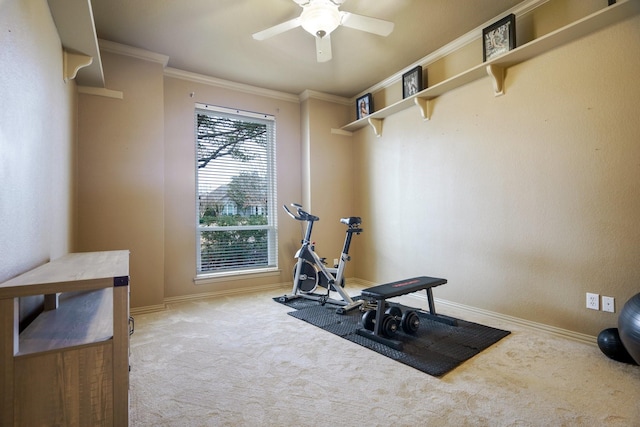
[[435, 349]]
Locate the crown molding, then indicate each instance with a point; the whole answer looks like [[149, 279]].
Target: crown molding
[[226, 84], [518, 10], [113, 47], [134, 52]]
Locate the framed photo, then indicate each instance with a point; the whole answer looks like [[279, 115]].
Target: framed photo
[[499, 38], [412, 82], [364, 106]]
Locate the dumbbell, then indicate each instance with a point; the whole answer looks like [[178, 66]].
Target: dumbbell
[[409, 321], [389, 323]]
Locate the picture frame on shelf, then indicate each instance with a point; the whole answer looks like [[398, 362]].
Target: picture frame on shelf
[[499, 38], [412, 82], [364, 106]]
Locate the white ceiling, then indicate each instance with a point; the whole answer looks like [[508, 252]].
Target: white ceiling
[[213, 37]]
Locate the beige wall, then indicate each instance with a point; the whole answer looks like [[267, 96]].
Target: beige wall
[[37, 137], [523, 202], [544, 19], [121, 172], [181, 94], [331, 161], [136, 177]]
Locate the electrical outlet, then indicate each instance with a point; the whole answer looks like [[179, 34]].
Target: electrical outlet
[[593, 301], [608, 304]]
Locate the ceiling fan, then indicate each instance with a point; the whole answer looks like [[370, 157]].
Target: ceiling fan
[[320, 18]]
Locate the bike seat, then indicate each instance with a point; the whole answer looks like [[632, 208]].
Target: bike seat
[[352, 220]]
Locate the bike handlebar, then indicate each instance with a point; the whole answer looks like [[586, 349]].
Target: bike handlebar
[[302, 215]]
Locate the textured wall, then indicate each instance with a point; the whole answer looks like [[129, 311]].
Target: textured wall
[[524, 202], [121, 172], [331, 171], [36, 140], [180, 96]]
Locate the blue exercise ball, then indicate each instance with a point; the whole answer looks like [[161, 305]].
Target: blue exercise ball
[[629, 327], [611, 345]]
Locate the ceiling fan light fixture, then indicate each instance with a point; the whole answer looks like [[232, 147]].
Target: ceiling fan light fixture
[[320, 18]]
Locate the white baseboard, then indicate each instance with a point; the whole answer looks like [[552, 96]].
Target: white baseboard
[[565, 333], [354, 283], [205, 295], [147, 309], [223, 293]]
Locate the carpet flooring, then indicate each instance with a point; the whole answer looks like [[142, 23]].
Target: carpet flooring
[[242, 361]]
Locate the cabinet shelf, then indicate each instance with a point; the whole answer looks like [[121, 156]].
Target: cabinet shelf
[[494, 68], [82, 318]]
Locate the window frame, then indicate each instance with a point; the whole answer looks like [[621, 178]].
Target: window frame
[[203, 277]]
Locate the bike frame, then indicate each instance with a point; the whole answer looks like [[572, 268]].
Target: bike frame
[[334, 276]]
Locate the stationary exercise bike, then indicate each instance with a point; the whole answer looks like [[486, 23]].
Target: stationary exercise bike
[[311, 271]]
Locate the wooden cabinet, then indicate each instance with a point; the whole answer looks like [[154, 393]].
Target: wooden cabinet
[[70, 366]]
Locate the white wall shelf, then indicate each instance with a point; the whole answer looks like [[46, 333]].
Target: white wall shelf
[[75, 25], [494, 68]]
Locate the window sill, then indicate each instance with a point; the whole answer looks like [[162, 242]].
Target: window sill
[[205, 279]]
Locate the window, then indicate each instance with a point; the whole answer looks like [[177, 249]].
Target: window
[[236, 191]]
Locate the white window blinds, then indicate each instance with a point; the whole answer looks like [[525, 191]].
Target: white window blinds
[[236, 191]]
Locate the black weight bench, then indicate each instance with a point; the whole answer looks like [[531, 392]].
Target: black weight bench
[[394, 289]]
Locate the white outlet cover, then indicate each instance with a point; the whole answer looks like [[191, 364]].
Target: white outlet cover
[[593, 301], [608, 304]]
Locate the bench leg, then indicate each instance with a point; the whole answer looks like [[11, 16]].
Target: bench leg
[[432, 305], [377, 328], [451, 321]]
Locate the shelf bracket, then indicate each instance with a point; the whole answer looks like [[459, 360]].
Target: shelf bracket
[[497, 75], [72, 62], [425, 107], [376, 125]]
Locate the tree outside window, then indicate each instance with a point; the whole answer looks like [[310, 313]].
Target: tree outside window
[[235, 162]]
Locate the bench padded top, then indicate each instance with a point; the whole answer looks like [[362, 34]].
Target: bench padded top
[[402, 287]]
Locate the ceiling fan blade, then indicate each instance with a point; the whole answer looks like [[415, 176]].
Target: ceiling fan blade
[[277, 29], [365, 23], [323, 48]]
